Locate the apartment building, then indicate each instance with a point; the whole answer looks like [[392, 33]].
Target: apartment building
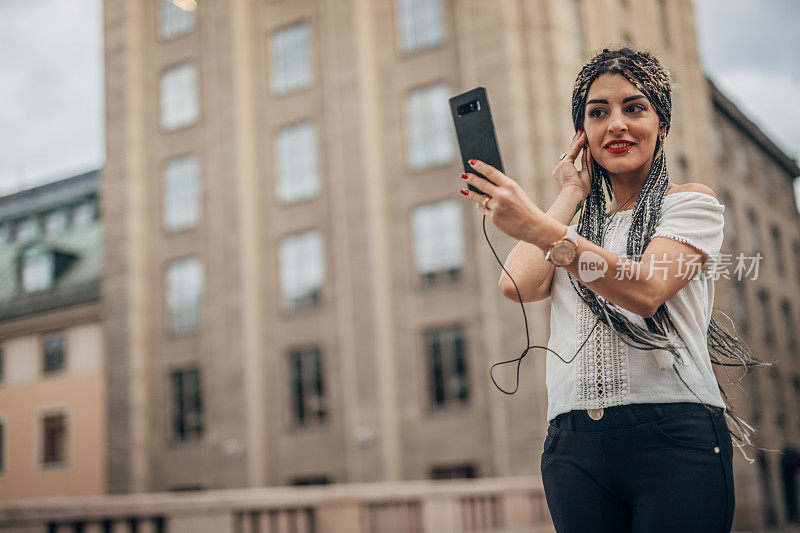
[[52, 381], [296, 291]]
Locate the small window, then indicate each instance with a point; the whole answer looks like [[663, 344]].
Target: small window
[[54, 353], [187, 405], [729, 217], [438, 235], [752, 232], [308, 387], [179, 99], [742, 161], [428, 127], [84, 213], [420, 24], [578, 37], [182, 193], [297, 161], [185, 294], [28, 230], [448, 380], [466, 471], [789, 328], [777, 250], [54, 432], [177, 17], [305, 481], [302, 270], [767, 333], [5, 234], [38, 269], [291, 62], [55, 223], [740, 308]]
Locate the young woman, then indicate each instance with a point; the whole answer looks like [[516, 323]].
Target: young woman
[[637, 438]]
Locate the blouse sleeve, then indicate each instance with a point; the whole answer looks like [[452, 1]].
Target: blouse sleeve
[[693, 218]]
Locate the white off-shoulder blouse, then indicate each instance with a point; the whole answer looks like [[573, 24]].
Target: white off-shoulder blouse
[[608, 372]]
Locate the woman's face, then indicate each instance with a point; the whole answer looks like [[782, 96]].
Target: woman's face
[[621, 125]]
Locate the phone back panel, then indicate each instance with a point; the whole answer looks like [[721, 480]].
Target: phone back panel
[[475, 130]]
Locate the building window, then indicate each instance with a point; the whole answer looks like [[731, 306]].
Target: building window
[[54, 353], [54, 432], [789, 328], [420, 24], [297, 161], [742, 161], [84, 213], [28, 230], [438, 242], [729, 216], [291, 68], [767, 332], [767, 493], [796, 253], [755, 396], [796, 387], [185, 294], [448, 381], [55, 223], [752, 231], [38, 269], [302, 268], [187, 423], [429, 129], [740, 304], [305, 481], [578, 37], [777, 250], [717, 138], [308, 387], [466, 471], [177, 17], [5, 234], [182, 193], [779, 403], [179, 101]]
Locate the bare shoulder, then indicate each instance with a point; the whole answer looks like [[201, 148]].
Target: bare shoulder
[[693, 187]]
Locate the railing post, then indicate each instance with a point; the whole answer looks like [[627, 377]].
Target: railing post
[[338, 517], [442, 514], [218, 522]]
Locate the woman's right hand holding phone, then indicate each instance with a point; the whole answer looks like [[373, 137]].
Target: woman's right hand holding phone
[[567, 174]]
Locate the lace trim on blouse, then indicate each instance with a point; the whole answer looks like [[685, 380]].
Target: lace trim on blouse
[[602, 375]]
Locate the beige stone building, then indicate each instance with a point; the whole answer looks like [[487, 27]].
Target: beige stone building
[[52, 346], [296, 292]]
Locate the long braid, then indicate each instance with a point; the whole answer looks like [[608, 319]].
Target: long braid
[[645, 73]]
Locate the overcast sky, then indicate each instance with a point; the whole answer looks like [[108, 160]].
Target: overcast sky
[[51, 79]]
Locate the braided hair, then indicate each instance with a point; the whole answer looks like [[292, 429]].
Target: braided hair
[[645, 73]]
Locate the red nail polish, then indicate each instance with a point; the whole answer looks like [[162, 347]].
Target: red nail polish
[[464, 192], [464, 176], [472, 161]]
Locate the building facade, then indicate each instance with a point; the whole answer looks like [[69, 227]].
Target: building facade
[[296, 292], [52, 380], [754, 180]]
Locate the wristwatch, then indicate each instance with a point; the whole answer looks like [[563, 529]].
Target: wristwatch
[[562, 252]]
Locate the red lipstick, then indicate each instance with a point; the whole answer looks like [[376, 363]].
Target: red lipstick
[[619, 146]]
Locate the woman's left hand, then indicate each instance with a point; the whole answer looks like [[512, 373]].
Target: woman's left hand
[[508, 207]]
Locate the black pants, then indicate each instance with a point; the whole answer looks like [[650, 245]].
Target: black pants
[[642, 468]]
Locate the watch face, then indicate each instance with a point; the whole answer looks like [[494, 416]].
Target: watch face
[[563, 253]]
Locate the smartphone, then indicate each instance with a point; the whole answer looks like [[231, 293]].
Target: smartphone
[[475, 130]]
